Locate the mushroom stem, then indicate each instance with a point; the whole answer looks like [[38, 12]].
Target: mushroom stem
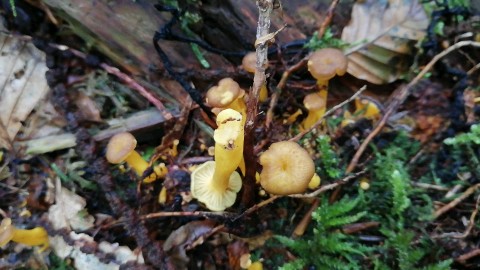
[[226, 162], [138, 164], [263, 96], [37, 236]]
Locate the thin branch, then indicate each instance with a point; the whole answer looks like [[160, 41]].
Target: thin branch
[[455, 202], [265, 8], [328, 113]]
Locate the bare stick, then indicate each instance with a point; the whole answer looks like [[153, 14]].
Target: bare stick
[[331, 186], [455, 202], [328, 18], [400, 98], [265, 8]]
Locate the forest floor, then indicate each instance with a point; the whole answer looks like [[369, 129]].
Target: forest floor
[[394, 139]]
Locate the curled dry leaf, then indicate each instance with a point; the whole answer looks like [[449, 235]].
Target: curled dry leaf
[[22, 75], [84, 261], [387, 31], [69, 211], [185, 236]]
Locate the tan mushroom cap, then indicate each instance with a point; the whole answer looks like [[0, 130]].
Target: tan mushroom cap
[[249, 62], [224, 93], [324, 64], [314, 101], [120, 146], [287, 169], [202, 190]]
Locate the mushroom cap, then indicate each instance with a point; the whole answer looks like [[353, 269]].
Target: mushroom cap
[[314, 101], [120, 146], [224, 93], [287, 169], [230, 126], [324, 64], [201, 189], [249, 62], [6, 231]]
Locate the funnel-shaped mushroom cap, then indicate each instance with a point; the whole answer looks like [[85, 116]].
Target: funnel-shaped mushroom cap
[[202, 188], [120, 146], [230, 126], [287, 169], [224, 93], [324, 64], [249, 62], [314, 102]]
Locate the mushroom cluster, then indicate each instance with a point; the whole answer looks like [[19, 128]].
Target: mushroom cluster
[[227, 95], [323, 65], [216, 183]]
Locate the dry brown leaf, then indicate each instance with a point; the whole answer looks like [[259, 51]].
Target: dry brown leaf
[[22, 76], [386, 30], [69, 211], [179, 240]]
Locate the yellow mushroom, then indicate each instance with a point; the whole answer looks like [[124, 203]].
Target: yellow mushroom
[[37, 236], [121, 147], [367, 107], [324, 64], [216, 183], [287, 169], [316, 106], [227, 94]]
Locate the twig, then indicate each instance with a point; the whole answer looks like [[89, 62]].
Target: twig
[[471, 224], [265, 8], [278, 90], [455, 202], [328, 187], [125, 78], [400, 98], [463, 258], [188, 214], [429, 186], [328, 18], [328, 113], [303, 224]]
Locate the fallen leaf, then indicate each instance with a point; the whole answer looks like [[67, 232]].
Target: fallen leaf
[[84, 261], [22, 75], [69, 211], [386, 30], [180, 239]]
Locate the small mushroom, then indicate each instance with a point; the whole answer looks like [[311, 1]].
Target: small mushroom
[[316, 105], [287, 169], [216, 183], [227, 94], [37, 236], [249, 63], [367, 107], [121, 147], [324, 64], [217, 196]]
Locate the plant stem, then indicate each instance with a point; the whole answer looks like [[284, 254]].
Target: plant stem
[[265, 8]]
